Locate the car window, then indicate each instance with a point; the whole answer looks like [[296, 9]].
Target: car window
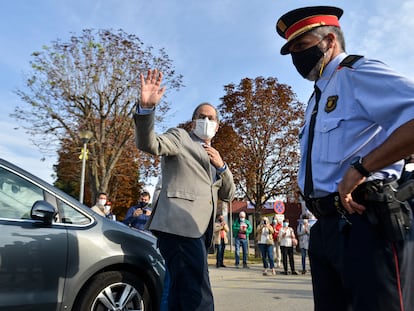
[[69, 215], [17, 195]]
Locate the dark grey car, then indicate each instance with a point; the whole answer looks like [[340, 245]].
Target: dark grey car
[[57, 254]]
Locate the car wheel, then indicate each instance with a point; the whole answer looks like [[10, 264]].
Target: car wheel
[[114, 290]]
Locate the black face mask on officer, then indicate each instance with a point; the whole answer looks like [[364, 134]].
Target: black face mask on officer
[[305, 60]]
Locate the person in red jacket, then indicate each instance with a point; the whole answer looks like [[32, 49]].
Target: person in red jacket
[[277, 224]]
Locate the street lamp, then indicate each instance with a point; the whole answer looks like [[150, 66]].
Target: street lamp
[[85, 136], [231, 225]]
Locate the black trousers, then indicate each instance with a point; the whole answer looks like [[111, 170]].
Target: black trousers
[[355, 269], [186, 260], [287, 252]]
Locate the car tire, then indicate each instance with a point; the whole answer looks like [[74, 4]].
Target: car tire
[[114, 290]]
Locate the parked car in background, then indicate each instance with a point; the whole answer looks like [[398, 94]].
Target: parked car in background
[[57, 254]]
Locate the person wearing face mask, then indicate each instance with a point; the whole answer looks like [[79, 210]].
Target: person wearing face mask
[[99, 206], [194, 177], [286, 237], [303, 232], [264, 238], [220, 240], [241, 231], [277, 224], [138, 215], [361, 118]]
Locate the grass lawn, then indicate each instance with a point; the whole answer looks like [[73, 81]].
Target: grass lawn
[[229, 258]]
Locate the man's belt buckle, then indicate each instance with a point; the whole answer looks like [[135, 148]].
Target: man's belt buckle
[[326, 206]]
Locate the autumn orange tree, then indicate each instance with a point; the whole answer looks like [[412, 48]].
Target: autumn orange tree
[[125, 183], [259, 138], [91, 82]]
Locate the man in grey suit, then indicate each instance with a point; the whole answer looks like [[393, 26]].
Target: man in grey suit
[[194, 177]]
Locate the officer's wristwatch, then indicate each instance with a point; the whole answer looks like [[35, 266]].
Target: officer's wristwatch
[[356, 163]]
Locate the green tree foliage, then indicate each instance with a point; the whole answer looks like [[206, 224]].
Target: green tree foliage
[[259, 138], [91, 82]]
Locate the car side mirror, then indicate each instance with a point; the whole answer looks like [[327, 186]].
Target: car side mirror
[[44, 211]]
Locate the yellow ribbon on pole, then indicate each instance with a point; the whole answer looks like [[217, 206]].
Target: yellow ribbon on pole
[[84, 152]]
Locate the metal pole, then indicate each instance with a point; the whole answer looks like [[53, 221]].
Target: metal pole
[[231, 225], [82, 184]]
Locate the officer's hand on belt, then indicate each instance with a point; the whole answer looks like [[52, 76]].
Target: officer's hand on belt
[[348, 184]]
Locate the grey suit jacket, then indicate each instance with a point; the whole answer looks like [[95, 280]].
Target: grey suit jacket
[[188, 196]]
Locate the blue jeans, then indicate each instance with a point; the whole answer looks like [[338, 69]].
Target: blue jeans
[[303, 251], [220, 252], [267, 255], [164, 297], [243, 243]]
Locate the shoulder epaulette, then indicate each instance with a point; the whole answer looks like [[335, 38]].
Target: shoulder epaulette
[[350, 60]]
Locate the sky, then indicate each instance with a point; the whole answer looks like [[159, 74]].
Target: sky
[[211, 43]]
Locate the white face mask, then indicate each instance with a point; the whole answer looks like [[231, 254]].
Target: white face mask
[[205, 129], [107, 209], [101, 202]]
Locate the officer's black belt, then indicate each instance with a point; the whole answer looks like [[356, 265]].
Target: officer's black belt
[[325, 206], [331, 204]]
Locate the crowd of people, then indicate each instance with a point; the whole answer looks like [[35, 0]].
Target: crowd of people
[[276, 241]]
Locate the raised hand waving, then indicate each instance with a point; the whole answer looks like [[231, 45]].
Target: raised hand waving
[[151, 90]]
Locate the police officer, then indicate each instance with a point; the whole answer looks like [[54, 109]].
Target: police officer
[[360, 117]]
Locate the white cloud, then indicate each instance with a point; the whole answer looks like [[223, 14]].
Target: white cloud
[[383, 30]]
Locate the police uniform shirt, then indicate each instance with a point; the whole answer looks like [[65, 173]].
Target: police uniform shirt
[[359, 108]]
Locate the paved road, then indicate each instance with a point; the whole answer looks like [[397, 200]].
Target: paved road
[[248, 290]]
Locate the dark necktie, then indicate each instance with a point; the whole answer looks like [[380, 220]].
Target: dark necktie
[[213, 172], [308, 170]]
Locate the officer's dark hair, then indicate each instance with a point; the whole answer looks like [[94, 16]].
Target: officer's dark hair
[[322, 31], [195, 112]]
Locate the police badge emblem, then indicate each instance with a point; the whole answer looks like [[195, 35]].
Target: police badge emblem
[[331, 103]]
